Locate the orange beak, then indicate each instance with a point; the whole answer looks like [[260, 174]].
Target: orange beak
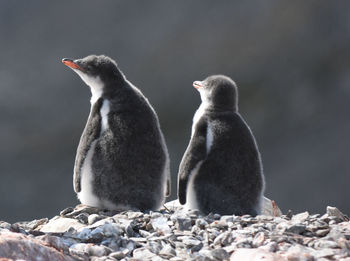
[[70, 63], [197, 84]]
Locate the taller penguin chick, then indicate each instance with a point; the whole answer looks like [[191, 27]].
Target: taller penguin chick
[[221, 170], [122, 160]]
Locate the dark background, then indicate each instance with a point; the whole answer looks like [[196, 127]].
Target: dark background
[[290, 59]]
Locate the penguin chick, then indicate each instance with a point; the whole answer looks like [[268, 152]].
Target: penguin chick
[[122, 160], [221, 170]]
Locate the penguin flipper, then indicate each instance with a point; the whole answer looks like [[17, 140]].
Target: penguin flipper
[[91, 133], [195, 153]]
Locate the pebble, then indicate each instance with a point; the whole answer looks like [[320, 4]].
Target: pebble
[[161, 224], [94, 218], [334, 212], [143, 253], [301, 217], [183, 222], [167, 251], [87, 233]]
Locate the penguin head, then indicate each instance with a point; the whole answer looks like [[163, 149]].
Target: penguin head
[[97, 71], [219, 92]]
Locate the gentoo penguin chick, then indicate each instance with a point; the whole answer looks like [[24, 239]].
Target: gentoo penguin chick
[[122, 160], [221, 170]]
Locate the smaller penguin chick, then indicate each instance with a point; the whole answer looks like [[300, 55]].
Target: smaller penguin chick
[[221, 170]]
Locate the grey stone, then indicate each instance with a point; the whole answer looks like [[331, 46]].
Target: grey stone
[[154, 247], [296, 229], [223, 239], [334, 212], [60, 225], [167, 251], [183, 223], [325, 244], [5, 225], [301, 217], [259, 239], [143, 253], [325, 253], [94, 218], [227, 218], [161, 224], [216, 254], [66, 211], [221, 224], [270, 246], [82, 218], [270, 208], [201, 223], [119, 254], [190, 241], [322, 232]]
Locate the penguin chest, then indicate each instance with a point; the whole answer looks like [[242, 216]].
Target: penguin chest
[[191, 196], [87, 195]]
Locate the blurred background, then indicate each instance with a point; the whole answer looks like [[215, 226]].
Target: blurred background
[[290, 59]]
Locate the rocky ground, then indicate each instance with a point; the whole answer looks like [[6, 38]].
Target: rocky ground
[[85, 233]]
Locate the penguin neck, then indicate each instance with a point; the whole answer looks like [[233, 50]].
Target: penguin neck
[[107, 90], [212, 107]]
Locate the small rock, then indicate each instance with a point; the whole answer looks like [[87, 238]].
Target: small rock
[[301, 217], [183, 223], [289, 214], [82, 249], [270, 208], [161, 224], [322, 232], [255, 254], [216, 254], [167, 251], [66, 211], [154, 247], [223, 239], [5, 225], [82, 218], [143, 254], [325, 244], [61, 225], [119, 254], [298, 252], [324, 253], [296, 229], [201, 223], [259, 239], [334, 212], [190, 241], [217, 216], [221, 224], [94, 218], [144, 233], [270, 247]]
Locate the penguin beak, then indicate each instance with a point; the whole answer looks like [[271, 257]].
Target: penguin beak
[[70, 63], [197, 84]]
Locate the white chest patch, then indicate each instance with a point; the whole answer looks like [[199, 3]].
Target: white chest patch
[[191, 198], [87, 195], [104, 115], [209, 139], [199, 113], [95, 84]]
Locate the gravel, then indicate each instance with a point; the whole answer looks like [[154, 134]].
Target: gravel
[[85, 233]]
